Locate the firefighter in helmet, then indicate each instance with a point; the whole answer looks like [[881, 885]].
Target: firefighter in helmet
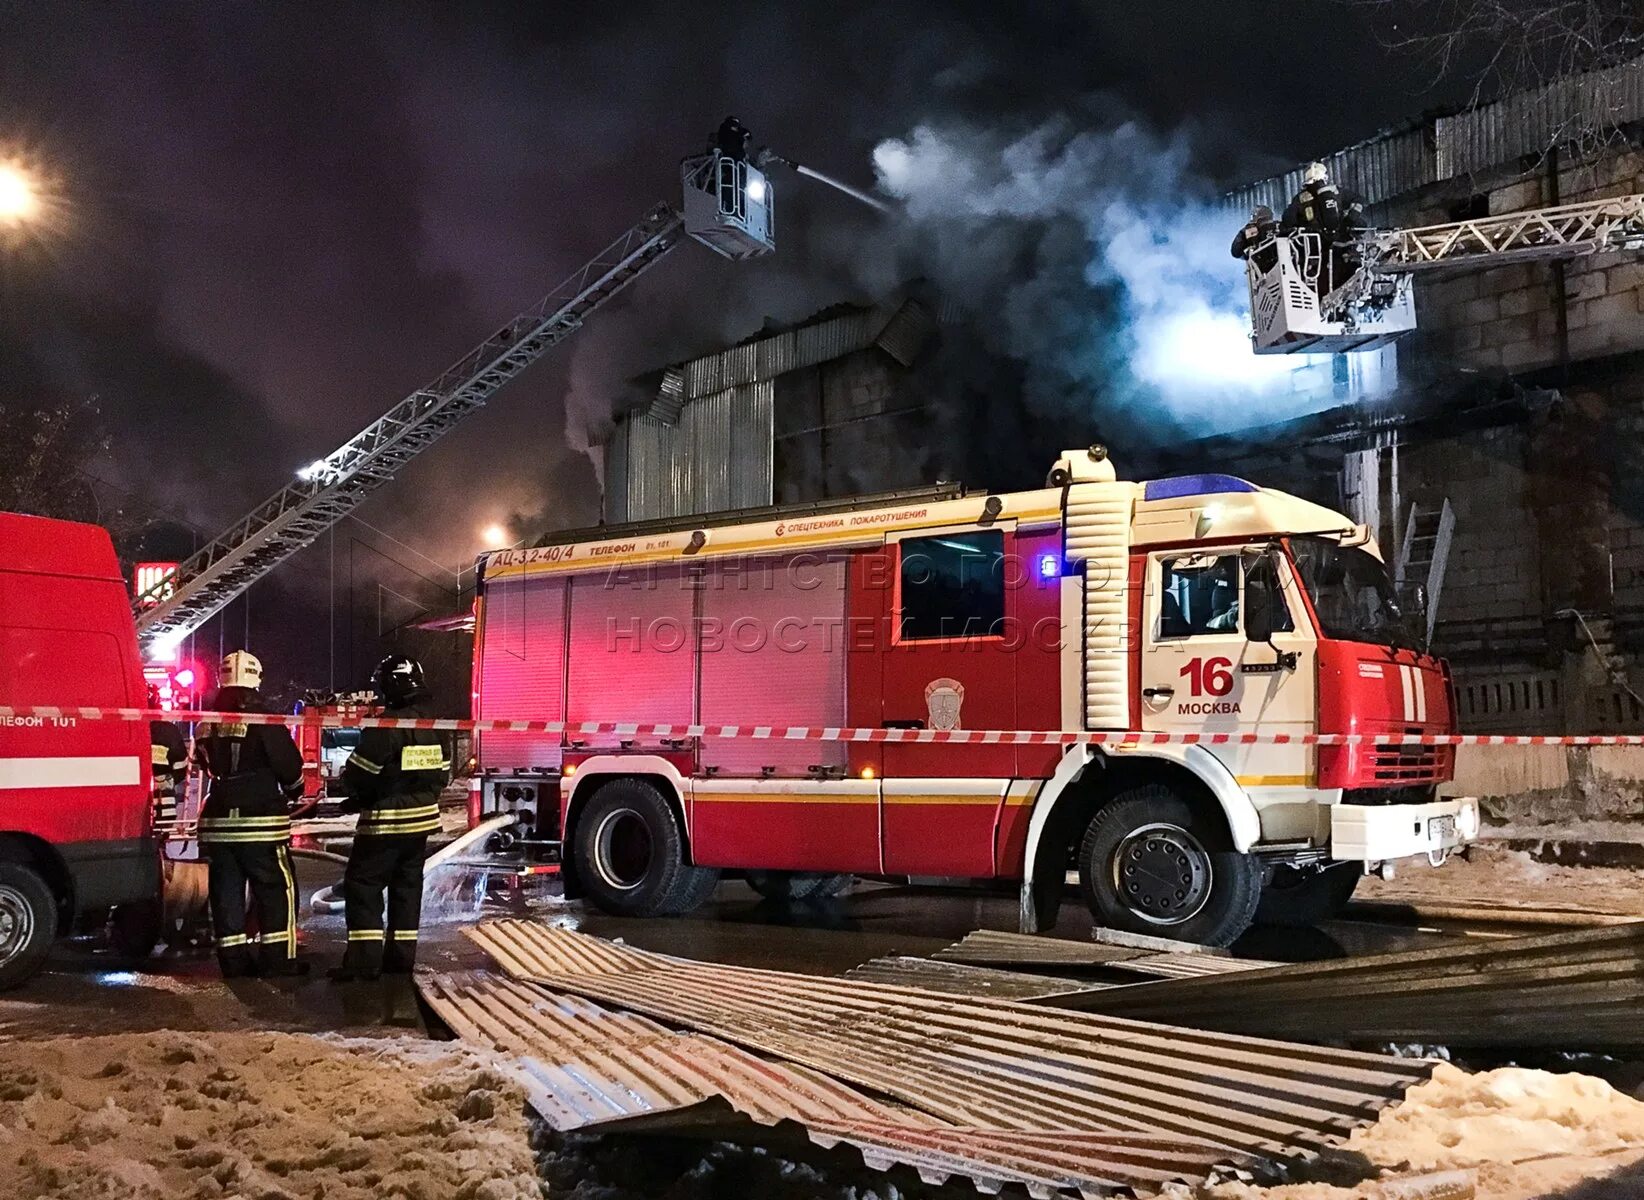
[[733, 139], [393, 781], [1334, 215], [1255, 240], [245, 826], [168, 756]]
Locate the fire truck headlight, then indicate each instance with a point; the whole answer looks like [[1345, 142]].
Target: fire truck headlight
[[1467, 818]]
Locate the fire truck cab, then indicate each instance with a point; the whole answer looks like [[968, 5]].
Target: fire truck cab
[[1196, 605], [76, 821]]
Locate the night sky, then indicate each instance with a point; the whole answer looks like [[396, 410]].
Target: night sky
[[279, 218]]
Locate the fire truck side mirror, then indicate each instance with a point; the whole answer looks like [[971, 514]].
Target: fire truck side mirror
[[1263, 601], [1260, 621]]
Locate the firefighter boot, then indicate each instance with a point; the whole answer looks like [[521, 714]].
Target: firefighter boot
[[399, 957], [276, 964], [362, 961], [234, 956]]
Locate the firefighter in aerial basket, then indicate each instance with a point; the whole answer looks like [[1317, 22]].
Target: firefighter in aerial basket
[[1335, 216], [393, 781], [245, 826], [1256, 239]]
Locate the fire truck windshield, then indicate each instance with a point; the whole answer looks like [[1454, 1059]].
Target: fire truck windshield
[[1351, 593]]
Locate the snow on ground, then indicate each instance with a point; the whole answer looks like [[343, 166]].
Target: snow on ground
[[266, 1116], [277, 1116], [1514, 1133], [1495, 877]]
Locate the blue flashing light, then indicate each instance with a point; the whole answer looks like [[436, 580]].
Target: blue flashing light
[[1050, 566], [1195, 485]]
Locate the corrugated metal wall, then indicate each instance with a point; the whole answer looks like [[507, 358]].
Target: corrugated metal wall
[[1489, 136], [718, 456], [1377, 170], [1529, 122], [706, 444]]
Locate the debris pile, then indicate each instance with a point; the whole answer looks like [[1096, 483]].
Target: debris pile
[[986, 1089], [1578, 991]]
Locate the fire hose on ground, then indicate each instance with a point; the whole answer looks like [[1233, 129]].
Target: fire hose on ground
[[326, 902]]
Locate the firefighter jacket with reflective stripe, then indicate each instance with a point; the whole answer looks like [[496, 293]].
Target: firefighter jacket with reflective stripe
[[167, 752], [251, 767], [396, 776], [1327, 210]]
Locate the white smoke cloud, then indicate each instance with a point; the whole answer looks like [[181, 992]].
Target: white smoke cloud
[[1099, 259]]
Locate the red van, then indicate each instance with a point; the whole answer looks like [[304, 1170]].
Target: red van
[[76, 824]]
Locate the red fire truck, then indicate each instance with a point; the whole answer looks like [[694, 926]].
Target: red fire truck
[[76, 821], [1186, 605], [324, 749]]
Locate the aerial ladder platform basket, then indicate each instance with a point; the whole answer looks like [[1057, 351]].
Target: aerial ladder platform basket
[[1306, 299]]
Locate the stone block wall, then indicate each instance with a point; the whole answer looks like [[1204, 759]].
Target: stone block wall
[[1507, 318]]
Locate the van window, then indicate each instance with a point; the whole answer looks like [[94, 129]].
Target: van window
[[953, 586], [63, 667]]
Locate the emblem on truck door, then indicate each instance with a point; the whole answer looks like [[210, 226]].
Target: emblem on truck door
[[942, 699]]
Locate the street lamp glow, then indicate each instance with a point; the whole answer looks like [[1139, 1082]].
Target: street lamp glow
[[19, 195], [495, 537]]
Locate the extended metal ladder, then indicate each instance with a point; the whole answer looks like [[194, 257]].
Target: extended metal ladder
[[330, 488], [1564, 231], [1424, 553]]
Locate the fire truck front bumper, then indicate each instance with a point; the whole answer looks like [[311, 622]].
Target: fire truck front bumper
[[1377, 833]]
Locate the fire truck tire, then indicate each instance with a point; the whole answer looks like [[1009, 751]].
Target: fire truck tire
[[1150, 862], [28, 923], [631, 854], [798, 886], [1295, 897]]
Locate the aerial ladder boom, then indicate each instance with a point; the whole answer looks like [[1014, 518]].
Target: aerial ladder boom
[[727, 206], [1359, 297], [1565, 231]]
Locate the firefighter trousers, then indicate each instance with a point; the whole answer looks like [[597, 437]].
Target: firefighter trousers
[[379, 863], [266, 867]]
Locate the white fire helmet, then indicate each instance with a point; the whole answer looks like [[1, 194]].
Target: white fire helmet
[[240, 669], [1315, 173]]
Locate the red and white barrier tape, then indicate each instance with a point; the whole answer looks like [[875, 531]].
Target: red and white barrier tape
[[815, 733]]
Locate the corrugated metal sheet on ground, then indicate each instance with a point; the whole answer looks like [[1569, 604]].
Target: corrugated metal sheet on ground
[[964, 980], [585, 1067], [1572, 990], [982, 1062], [994, 947]]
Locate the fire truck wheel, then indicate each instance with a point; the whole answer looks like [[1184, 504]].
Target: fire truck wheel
[[1152, 863], [631, 854], [798, 886], [1299, 897], [28, 923]]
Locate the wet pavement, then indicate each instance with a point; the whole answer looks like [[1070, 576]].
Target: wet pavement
[[86, 990]]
